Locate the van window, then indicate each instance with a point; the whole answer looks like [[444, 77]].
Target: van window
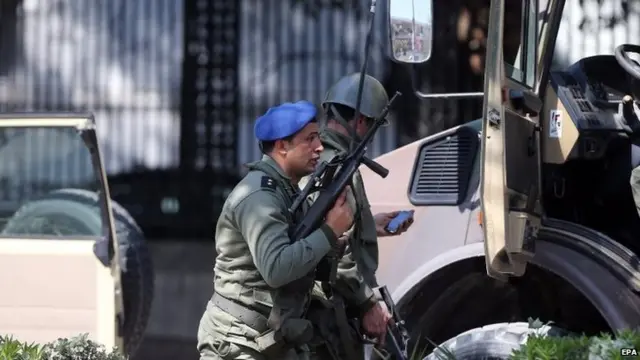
[[34, 161]]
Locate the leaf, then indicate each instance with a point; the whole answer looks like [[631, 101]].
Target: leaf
[[535, 324]]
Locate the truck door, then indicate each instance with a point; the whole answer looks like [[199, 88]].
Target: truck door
[[62, 280], [510, 168]]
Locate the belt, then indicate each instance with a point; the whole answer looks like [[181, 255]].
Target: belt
[[249, 317]]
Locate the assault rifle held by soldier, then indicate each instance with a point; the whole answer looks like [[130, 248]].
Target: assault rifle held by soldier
[[330, 179]]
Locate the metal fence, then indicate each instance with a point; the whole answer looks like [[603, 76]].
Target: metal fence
[[177, 84], [289, 52], [116, 58], [593, 27]]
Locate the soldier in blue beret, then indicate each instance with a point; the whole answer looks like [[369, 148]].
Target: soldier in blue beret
[[255, 252]]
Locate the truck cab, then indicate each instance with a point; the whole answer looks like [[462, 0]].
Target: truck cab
[[527, 212]]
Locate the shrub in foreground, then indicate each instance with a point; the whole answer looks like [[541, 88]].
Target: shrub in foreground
[[537, 347], [76, 348], [602, 347]]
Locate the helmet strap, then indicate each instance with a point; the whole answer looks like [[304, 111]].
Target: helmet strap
[[336, 115]]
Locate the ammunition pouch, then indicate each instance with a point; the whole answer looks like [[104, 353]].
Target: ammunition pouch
[[296, 332], [290, 303], [269, 342]]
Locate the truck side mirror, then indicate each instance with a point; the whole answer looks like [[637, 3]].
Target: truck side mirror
[[410, 31]]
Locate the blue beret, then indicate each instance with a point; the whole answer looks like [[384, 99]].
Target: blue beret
[[284, 120]]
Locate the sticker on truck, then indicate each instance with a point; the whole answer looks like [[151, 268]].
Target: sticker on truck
[[555, 124]]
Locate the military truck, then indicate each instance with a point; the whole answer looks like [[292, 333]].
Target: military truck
[[525, 213], [72, 261]]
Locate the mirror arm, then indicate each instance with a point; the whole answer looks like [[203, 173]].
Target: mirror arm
[[449, 96], [367, 51], [415, 80]]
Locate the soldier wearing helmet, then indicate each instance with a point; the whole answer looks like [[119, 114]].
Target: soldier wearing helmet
[[356, 271]]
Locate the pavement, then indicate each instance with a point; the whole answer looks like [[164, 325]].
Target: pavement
[[159, 348]]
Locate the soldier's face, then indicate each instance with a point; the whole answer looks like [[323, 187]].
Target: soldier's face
[[362, 126], [303, 151]]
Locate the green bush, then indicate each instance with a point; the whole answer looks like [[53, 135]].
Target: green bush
[[76, 348], [604, 347]]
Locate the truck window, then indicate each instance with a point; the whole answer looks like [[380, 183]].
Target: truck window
[[33, 162], [520, 34]]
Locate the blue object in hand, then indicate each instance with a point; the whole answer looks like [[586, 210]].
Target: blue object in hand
[[397, 221]]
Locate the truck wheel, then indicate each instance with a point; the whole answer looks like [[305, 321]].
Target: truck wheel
[[495, 341], [76, 211]]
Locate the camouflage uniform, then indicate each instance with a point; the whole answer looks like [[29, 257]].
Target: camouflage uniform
[[256, 256], [356, 269]]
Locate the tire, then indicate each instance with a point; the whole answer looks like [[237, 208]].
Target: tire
[[77, 211], [495, 341]]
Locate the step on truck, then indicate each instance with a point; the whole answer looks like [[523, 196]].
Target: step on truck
[[526, 213]]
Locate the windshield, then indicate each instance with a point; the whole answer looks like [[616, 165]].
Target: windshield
[[34, 162], [520, 35]]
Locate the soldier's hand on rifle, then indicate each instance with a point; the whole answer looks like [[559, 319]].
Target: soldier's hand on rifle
[[340, 217], [374, 322]]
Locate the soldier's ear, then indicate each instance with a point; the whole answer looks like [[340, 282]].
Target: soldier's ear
[[361, 120], [281, 147]]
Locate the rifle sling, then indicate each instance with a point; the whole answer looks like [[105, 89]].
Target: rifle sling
[[343, 326], [342, 320]]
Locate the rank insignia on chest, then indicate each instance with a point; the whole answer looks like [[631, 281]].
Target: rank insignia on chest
[[268, 183]]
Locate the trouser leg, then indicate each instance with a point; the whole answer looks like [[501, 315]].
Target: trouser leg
[[635, 176]]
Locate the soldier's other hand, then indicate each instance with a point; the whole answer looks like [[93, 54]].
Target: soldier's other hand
[[340, 217], [383, 219], [375, 321]]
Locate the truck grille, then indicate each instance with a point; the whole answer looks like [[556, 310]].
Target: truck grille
[[444, 168]]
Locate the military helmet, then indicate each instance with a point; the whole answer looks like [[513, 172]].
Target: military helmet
[[345, 92]]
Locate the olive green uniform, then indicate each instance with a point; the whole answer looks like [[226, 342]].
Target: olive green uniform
[[355, 278], [255, 256]]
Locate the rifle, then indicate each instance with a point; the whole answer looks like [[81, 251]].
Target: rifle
[[397, 338], [330, 179]]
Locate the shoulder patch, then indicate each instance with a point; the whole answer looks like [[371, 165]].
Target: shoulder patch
[[268, 183]]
